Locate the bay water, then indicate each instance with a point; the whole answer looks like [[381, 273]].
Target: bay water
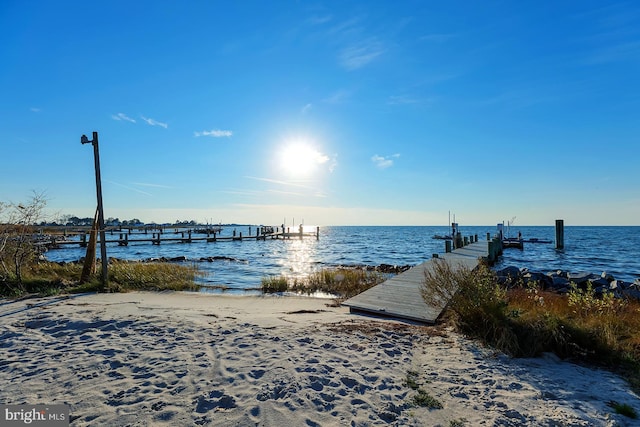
[[239, 266]]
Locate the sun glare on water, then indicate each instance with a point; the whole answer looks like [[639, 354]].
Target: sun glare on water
[[300, 159]]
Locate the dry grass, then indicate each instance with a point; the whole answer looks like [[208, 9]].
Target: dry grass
[[526, 321], [49, 278], [156, 276]]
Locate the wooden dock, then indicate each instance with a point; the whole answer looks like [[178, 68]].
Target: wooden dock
[[123, 239], [401, 297]]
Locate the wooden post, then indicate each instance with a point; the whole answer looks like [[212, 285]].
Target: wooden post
[[317, 233], [488, 236], [103, 240], [447, 246], [89, 266], [491, 251], [559, 234]]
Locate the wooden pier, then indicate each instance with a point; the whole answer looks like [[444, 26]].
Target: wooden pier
[[401, 296], [123, 239]]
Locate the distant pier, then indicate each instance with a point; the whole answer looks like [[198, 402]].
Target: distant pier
[[158, 236]]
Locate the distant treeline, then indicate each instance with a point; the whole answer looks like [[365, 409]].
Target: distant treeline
[[69, 220]]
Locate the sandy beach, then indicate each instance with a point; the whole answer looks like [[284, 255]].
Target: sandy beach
[[182, 359]]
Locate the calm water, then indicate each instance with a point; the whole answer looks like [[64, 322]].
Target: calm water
[[592, 249]]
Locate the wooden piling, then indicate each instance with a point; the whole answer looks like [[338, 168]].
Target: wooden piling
[[559, 234]]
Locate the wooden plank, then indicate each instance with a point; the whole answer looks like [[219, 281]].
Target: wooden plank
[[401, 296]]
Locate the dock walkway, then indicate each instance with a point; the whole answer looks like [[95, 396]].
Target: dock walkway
[[401, 297], [185, 237]]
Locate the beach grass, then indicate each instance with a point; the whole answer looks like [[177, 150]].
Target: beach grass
[[425, 400], [274, 284], [157, 276], [340, 282], [412, 380], [527, 321], [50, 278], [624, 409]]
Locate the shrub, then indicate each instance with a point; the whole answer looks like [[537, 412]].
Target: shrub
[[18, 241], [475, 298], [526, 321]]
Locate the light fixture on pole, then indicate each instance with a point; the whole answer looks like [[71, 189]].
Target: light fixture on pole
[[103, 243]]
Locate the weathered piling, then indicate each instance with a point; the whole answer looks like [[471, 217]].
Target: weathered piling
[[494, 249], [559, 234]]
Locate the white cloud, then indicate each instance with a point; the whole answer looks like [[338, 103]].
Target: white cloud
[[338, 97], [214, 133], [153, 122], [306, 109], [384, 162], [35, 109], [320, 158], [334, 163], [360, 54], [276, 181], [146, 184], [122, 116], [129, 188]]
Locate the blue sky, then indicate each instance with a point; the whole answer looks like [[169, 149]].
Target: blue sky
[[335, 113]]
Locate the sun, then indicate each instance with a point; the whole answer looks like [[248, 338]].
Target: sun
[[300, 159]]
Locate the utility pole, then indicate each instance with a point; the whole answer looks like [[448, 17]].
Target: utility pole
[[103, 242]]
